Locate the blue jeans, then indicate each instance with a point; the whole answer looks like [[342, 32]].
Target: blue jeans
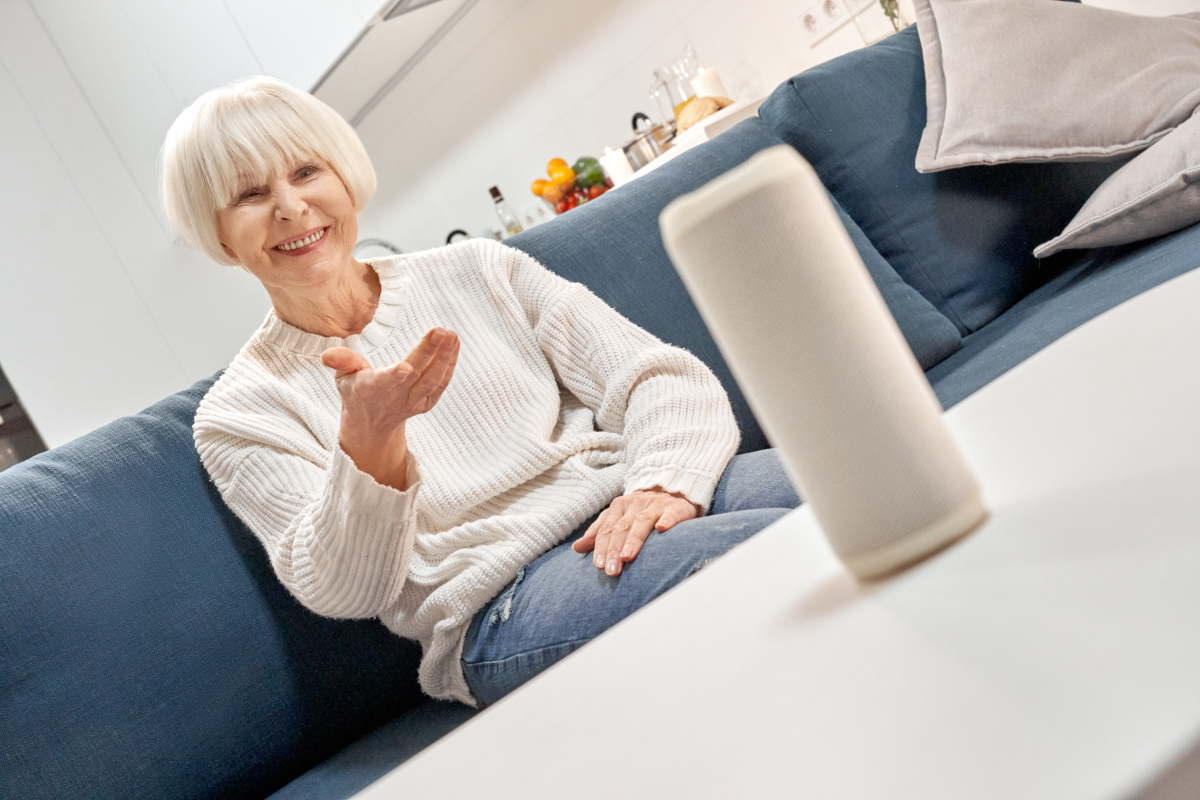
[[560, 601]]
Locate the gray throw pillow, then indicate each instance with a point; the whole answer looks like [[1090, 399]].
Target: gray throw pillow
[[1033, 80], [1156, 193]]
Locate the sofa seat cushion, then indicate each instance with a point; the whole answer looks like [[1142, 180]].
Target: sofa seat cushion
[[963, 238], [1098, 281], [377, 753], [613, 246], [147, 650]]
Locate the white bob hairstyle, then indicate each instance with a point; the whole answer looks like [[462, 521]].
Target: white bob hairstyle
[[247, 132]]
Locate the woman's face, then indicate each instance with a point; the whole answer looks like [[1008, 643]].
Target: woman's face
[[296, 230]]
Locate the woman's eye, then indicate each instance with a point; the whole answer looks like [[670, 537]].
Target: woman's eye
[[248, 195], [307, 172]]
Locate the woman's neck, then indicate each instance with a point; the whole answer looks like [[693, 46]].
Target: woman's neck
[[337, 308]]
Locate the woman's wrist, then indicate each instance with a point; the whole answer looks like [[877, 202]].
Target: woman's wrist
[[679, 495], [382, 455]]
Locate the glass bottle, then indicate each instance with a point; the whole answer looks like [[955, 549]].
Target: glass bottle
[[508, 220]]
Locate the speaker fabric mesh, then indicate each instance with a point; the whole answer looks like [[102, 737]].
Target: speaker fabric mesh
[[820, 359]]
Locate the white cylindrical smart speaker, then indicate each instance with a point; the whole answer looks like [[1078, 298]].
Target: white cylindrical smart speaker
[[822, 363]]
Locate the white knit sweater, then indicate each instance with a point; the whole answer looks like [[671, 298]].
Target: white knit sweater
[[557, 406]]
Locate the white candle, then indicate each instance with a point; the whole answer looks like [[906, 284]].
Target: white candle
[[616, 165], [708, 84]]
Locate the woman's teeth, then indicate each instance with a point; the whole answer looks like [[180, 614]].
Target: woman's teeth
[[307, 240]]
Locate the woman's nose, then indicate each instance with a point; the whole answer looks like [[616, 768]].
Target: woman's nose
[[289, 203]]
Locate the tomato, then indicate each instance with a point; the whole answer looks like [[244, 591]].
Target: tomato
[[595, 190], [571, 202], [560, 207]]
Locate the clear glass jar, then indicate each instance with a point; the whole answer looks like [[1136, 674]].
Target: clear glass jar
[[672, 87]]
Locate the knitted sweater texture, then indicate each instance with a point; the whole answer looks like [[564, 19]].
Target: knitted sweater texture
[[558, 405]]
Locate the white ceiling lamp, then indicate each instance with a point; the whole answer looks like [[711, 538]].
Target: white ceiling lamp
[[390, 46], [403, 7]]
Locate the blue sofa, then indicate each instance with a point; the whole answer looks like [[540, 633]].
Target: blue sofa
[[146, 648]]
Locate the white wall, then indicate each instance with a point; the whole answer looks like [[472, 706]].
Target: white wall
[[101, 312]]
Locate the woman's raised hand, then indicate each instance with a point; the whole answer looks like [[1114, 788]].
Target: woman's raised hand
[[389, 396], [616, 536], [377, 402]]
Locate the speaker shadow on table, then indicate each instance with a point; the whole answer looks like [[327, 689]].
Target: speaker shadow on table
[[828, 597], [1180, 780]]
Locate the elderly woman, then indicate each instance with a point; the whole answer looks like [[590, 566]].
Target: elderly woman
[[438, 439]]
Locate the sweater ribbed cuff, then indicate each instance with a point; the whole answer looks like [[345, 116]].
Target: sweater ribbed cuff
[[367, 496], [696, 486]]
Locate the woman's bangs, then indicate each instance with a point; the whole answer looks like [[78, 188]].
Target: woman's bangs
[[250, 149]]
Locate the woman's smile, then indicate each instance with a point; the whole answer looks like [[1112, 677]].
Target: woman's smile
[[304, 243]]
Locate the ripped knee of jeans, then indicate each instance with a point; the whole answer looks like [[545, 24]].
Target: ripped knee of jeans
[[502, 607]]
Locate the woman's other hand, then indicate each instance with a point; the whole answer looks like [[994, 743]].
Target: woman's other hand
[[617, 535], [376, 403]]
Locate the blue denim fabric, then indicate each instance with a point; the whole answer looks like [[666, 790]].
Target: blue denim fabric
[[559, 602]]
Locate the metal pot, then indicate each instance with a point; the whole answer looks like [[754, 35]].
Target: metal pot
[[652, 141]]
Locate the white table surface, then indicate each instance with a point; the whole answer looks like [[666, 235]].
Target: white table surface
[[1055, 653]]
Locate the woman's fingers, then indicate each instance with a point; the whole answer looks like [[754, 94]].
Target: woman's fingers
[[426, 350], [437, 373], [425, 390], [637, 525], [644, 523], [605, 531], [415, 384], [677, 512], [587, 542], [447, 372], [603, 534], [344, 361], [640, 514], [611, 562]]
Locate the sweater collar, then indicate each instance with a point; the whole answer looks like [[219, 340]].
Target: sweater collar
[[392, 279]]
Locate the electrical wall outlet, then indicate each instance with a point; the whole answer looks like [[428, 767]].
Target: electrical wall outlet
[[820, 18]]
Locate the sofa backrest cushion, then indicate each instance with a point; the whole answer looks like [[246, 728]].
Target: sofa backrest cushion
[[613, 246], [147, 650], [965, 237], [929, 333]]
